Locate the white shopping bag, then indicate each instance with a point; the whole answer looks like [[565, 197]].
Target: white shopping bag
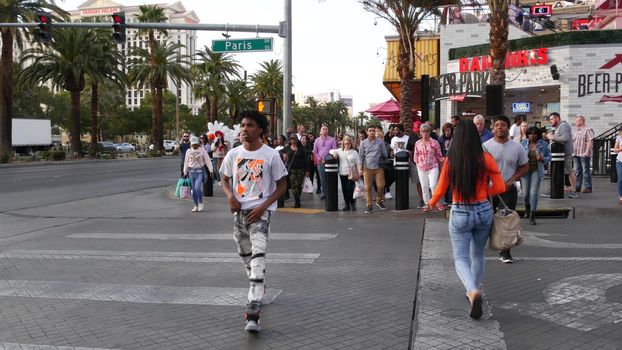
[[359, 190], [307, 185]]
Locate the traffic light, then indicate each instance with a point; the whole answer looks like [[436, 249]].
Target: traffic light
[[264, 106], [44, 32], [118, 27]]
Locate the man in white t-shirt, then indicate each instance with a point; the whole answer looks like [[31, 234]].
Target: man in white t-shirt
[[515, 129], [399, 141], [258, 178]]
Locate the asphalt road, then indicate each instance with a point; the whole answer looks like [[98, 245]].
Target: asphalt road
[[25, 186], [99, 255]]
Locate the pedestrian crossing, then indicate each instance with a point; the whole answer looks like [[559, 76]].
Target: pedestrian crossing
[[141, 294]]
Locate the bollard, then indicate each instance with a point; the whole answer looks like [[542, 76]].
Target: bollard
[[557, 170], [332, 174], [208, 185], [402, 170]]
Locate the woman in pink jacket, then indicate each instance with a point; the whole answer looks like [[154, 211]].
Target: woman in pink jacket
[[196, 159]]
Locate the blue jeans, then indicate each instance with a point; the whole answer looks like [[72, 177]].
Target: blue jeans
[[321, 169], [469, 228], [196, 183], [531, 186], [619, 171], [216, 170], [582, 171]]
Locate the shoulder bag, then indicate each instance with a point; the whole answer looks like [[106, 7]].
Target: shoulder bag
[[353, 172], [506, 231]]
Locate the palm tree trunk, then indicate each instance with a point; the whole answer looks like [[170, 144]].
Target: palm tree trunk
[[499, 24], [76, 147], [213, 108], [159, 121], [6, 95], [406, 74], [94, 121], [207, 111]]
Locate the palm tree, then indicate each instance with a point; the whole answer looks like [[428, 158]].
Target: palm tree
[[105, 68], [499, 23], [238, 97], [153, 14], [168, 64], [65, 62], [405, 16], [12, 12], [210, 76], [268, 84]]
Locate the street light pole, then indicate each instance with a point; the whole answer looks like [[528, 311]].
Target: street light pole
[[287, 67]]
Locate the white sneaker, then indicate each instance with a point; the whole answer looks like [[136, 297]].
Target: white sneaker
[[388, 195], [195, 209], [200, 207]]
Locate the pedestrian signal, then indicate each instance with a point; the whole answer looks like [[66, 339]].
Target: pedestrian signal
[[264, 106], [44, 32], [118, 27]]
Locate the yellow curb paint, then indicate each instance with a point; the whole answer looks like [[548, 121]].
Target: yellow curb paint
[[300, 210]]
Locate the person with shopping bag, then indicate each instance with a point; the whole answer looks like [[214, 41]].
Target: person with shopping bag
[[349, 163], [468, 169], [196, 159]]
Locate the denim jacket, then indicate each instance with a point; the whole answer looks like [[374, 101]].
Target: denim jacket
[[544, 149]]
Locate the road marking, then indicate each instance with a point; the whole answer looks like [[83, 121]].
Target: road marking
[[131, 293], [563, 258], [578, 302], [273, 258], [533, 238], [211, 236], [21, 346]]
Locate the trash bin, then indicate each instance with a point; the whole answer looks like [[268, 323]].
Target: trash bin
[[332, 174], [402, 170], [612, 167], [557, 170]]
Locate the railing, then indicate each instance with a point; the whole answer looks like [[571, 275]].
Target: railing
[[530, 24], [602, 161]]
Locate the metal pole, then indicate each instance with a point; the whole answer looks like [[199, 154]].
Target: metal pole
[[177, 97], [287, 66]]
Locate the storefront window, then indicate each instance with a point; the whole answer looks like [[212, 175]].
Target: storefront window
[[550, 108]]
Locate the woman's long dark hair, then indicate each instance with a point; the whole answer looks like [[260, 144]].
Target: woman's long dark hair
[[466, 160]]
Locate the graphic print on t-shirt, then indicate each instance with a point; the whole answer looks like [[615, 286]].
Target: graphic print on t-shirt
[[249, 178]]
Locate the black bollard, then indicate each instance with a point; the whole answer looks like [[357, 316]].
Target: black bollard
[[401, 182], [208, 185], [557, 170], [332, 174]]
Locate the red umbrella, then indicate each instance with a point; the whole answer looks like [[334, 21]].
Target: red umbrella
[[389, 110]]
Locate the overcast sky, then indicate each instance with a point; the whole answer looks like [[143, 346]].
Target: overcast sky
[[336, 45]]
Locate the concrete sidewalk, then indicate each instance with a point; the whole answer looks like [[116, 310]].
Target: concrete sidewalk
[[564, 290]]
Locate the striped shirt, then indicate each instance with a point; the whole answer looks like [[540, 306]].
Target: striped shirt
[[581, 142]]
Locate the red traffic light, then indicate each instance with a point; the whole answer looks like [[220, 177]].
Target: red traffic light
[[43, 19], [117, 19]]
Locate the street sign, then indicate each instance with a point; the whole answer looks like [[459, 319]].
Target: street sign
[[242, 45]]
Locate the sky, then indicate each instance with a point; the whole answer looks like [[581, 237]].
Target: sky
[[336, 45]]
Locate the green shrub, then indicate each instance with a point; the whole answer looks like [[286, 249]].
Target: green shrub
[[4, 158]]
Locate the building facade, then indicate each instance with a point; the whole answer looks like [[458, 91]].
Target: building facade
[[176, 13]]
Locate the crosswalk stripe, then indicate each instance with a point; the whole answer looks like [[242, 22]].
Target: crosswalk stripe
[[131, 293], [21, 346], [190, 257], [210, 236]]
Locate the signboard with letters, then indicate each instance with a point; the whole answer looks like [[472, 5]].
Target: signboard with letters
[[459, 83], [521, 107]]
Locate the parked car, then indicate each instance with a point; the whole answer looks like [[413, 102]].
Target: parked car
[[125, 147], [169, 145], [107, 146]]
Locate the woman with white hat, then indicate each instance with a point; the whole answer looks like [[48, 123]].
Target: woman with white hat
[[196, 158]]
